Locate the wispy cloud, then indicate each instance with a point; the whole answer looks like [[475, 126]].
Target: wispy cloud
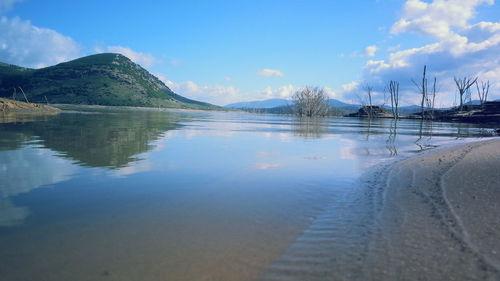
[[215, 94], [267, 166], [24, 44], [283, 92], [286, 92], [145, 60], [6, 5], [268, 153], [370, 51], [266, 72], [350, 86]]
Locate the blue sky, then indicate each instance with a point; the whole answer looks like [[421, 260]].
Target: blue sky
[[228, 51]]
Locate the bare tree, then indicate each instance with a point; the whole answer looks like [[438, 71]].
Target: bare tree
[[386, 96], [422, 88], [483, 92], [369, 89], [311, 101], [394, 91], [430, 99], [463, 85], [25, 98], [468, 96]]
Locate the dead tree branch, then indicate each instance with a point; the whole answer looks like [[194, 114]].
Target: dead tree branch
[[394, 91], [463, 85], [311, 102], [483, 91]]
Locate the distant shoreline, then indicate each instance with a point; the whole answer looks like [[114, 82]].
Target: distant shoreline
[[119, 107], [8, 105], [13, 106]]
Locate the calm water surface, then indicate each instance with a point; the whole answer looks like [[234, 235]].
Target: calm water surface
[[190, 195]]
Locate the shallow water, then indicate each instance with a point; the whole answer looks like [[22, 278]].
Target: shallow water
[[143, 195]]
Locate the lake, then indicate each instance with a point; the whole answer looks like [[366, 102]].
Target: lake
[[177, 195]]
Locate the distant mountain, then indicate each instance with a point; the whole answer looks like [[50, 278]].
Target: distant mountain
[[285, 106], [337, 103], [408, 109], [473, 102], [269, 103], [102, 79]]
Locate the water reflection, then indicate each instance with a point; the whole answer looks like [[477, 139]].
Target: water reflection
[[23, 170], [391, 138], [42, 150], [190, 196], [13, 138], [11, 215], [309, 128], [23, 117], [95, 140], [425, 134]]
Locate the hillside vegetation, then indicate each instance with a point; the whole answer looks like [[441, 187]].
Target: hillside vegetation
[[102, 79]]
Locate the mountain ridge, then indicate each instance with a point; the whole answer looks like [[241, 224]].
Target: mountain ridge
[[102, 79], [277, 102]]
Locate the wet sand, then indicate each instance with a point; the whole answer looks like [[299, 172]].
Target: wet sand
[[435, 216], [440, 218]]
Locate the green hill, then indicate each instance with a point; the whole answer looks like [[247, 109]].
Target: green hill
[[102, 79]]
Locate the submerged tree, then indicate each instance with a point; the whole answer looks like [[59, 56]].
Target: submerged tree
[[483, 92], [428, 99], [368, 89], [463, 85], [311, 102], [422, 88], [394, 91]]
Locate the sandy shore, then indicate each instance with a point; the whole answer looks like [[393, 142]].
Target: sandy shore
[[440, 217], [435, 216]]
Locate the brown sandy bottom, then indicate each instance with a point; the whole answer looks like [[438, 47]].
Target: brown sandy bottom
[[203, 235], [435, 216]]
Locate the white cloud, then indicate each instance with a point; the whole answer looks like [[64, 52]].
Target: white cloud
[[270, 73], [287, 92], [350, 86], [283, 92], [222, 95], [461, 48], [145, 60], [370, 51], [438, 17], [6, 5], [27, 45], [331, 93], [215, 94]]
